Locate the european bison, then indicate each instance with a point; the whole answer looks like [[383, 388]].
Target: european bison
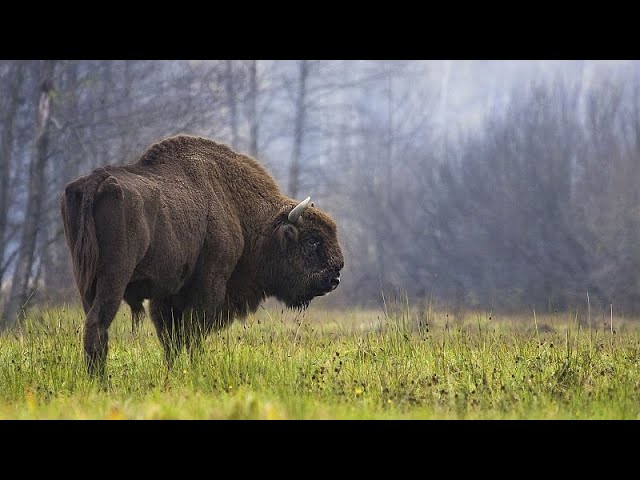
[[200, 230]]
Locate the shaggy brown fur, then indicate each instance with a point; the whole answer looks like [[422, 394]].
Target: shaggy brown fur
[[198, 229]]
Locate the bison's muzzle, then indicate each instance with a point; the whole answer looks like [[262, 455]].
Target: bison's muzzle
[[331, 283]]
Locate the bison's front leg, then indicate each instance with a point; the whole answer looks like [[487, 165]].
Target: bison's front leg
[[185, 319], [137, 312], [167, 317], [206, 291], [204, 312]]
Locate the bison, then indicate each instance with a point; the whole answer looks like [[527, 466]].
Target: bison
[[201, 231]]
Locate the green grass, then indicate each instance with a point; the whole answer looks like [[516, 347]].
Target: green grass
[[339, 365]]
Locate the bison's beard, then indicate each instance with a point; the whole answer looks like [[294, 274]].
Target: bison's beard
[[300, 298], [299, 304], [302, 303]]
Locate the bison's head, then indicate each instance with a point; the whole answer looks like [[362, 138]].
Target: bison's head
[[302, 258]]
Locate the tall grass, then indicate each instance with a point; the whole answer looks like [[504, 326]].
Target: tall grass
[[394, 363]]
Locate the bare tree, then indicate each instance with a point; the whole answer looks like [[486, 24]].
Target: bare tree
[[231, 102], [533, 206], [10, 99], [253, 108], [299, 128], [37, 181]]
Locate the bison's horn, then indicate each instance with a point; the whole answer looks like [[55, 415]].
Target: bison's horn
[[294, 215]]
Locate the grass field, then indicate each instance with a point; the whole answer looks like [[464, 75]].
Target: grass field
[[333, 365]]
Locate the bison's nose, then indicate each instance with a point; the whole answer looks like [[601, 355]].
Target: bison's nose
[[335, 282]]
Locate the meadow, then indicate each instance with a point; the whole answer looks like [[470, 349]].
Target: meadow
[[393, 363]]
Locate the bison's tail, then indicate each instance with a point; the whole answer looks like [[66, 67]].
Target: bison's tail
[[80, 228]]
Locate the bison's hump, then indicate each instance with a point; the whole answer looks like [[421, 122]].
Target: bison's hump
[[182, 147]]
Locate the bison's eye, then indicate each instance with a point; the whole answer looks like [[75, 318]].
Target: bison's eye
[[312, 243]]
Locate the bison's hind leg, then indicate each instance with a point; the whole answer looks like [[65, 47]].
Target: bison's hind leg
[[101, 314], [113, 273]]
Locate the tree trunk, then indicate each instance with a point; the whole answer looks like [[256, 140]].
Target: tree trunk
[[56, 275], [231, 101], [36, 189], [6, 142], [253, 109], [294, 169]]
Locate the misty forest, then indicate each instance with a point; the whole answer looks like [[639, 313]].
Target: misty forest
[[493, 185]]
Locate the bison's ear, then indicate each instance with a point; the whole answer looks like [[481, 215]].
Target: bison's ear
[[287, 235]]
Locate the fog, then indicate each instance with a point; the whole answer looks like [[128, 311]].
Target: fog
[[501, 185]]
